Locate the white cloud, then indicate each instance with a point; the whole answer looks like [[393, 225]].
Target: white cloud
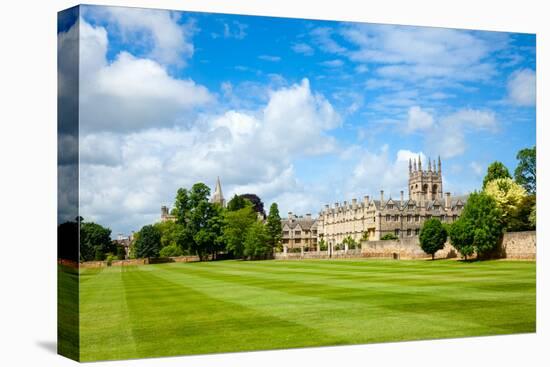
[[377, 171], [522, 89], [415, 53], [477, 168], [126, 177], [269, 58], [448, 138], [169, 40], [130, 93], [336, 63], [419, 119], [322, 36], [235, 30], [303, 48]]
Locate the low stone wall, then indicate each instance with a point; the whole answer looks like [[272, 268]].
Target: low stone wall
[[130, 262], [515, 246], [519, 245]]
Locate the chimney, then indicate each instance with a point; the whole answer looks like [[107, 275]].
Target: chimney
[[366, 200], [401, 197], [381, 196], [290, 217], [447, 201], [308, 216], [327, 207]]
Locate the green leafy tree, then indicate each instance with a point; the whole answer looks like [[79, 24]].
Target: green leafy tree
[[236, 203], [257, 203], [389, 237], [274, 227], [120, 253], [352, 244], [480, 226], [526, 170], [533, 217], [256, 242], [323, 245], [432, 236], [201, 220], [172, 233], [171, 250], [95, 241], [510, 197], [148, 242], [494, 171], [236, 224]]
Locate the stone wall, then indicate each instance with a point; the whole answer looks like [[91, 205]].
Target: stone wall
[[515, 246], [519, 245], [130, 262]]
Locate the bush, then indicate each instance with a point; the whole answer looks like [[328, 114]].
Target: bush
[[389, 237], [172, 250], [110, 258], [432, 236]]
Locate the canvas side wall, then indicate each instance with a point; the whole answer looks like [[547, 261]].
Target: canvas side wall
[[68, 337]]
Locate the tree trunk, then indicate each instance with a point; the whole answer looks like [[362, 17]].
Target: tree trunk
[[433, 257]]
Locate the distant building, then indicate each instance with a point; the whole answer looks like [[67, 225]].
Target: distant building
[[126, 242], [402, 218], [299, 232]]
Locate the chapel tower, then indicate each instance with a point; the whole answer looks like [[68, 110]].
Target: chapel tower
[[425, 185], [217, 197]]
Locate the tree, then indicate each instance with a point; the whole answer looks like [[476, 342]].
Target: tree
[[236, 224], [172, 233], [509, 196], [432, 236], [526, 170], [171, 250], [95, 241], [256, 202], [494, 171], [533, 217], [256, 242], [389, 237], [201, 220], [365, 236], [274, 227], [236, 203], [480, 226], [323, 245], [148, 242], [350, 242]]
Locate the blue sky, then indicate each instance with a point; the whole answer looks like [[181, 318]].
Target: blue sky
[[301, 112]]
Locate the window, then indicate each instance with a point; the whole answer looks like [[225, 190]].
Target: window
[[314, 232], [416, 231], [285, 233], [388, 217], [297, 233], [396, 232], [409, 232], [416, 218], [396, 218], [297, 240], [390, 206], [454, 217], [285, 240], [443, 218], [428, 216], [409, 218]]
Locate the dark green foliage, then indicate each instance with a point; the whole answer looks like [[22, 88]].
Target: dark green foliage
[[256, 203], [494, 171], [274, 227], [256, 242], [389, 237], [525, 173], [148, 242], [172, 233], [201, 220], [95, 241], [479, 228], [120, 252], [236, 224], [352, 244], [432, 236], [172, 250], [236, 203], [323, 245], [519, 219]]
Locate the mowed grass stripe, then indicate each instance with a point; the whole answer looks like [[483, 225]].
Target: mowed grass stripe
[[168, 318], [104, 315], [237, 305], [415, 299], [354, 312]]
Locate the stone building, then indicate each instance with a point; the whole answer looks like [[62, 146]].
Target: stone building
[[401, 217], [299, 233]]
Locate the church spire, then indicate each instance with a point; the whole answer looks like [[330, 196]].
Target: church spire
[[429, 164], [419, 163], [439, 164], [410, 165], [217, 197]]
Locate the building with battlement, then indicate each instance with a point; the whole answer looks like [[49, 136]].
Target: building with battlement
[[401, 217], [299, 232]]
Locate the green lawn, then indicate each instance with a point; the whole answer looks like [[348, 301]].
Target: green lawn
[[225, 306]]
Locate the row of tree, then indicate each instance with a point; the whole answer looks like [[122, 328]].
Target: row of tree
[[503, 204], [207, 229]]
